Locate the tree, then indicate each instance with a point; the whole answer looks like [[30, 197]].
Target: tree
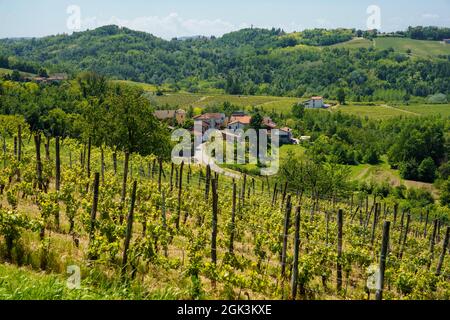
[[445, 193], [133, 127], [408, 170], [341, 96], [257, 121], [15, 76], [298, 110], [43, 73], [427, 170]]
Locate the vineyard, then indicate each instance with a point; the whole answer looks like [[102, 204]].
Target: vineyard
[[148, 229]]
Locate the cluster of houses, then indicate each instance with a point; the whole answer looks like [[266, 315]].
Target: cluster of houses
[[238, 120]]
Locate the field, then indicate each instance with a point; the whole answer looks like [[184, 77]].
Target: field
[[284, 105], [355, 43], [184, 100], [420, 48], [428, 109], [9, 71], [380, 112]]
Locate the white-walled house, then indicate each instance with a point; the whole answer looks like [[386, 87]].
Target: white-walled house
[[285, 135], [315, 103], [236, 125], [214, 120]]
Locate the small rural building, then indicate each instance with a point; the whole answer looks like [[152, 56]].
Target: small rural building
[[268, 123], [243, 118], [285, 135], [237, 125], [239, 121], [447, 41], [214, 120], [315, 103], [176, 115]]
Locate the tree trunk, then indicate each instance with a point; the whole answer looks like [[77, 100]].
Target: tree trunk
[[47, 149], [115, 162]]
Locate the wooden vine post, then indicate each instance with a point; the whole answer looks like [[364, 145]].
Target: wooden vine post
[[160, 167], [19, 138], [171, 176], [426, 224], [244, 183], [129, 231], [214, 222], [57, 164], [374, 225], [274, 196], [383, 256], [339, 251], [102, 164], [405, 236], [432, 243], [37, 143], [296, 254], [287, 217], [94, 211], [207, 181], [444, 250], [233, 220], [180, 187]]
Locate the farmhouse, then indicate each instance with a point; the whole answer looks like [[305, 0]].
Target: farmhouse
[[176, 115], [214, 120], [268, 123], [237, 125], [315, 103], [285, 135], [241, 117], [239, 121]]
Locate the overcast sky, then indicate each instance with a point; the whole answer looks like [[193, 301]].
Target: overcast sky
[[175, 18]]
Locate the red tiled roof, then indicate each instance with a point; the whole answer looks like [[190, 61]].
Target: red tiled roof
[[208, 116], [242, 119]]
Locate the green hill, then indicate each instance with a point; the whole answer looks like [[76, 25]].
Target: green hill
[[246, 62]]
